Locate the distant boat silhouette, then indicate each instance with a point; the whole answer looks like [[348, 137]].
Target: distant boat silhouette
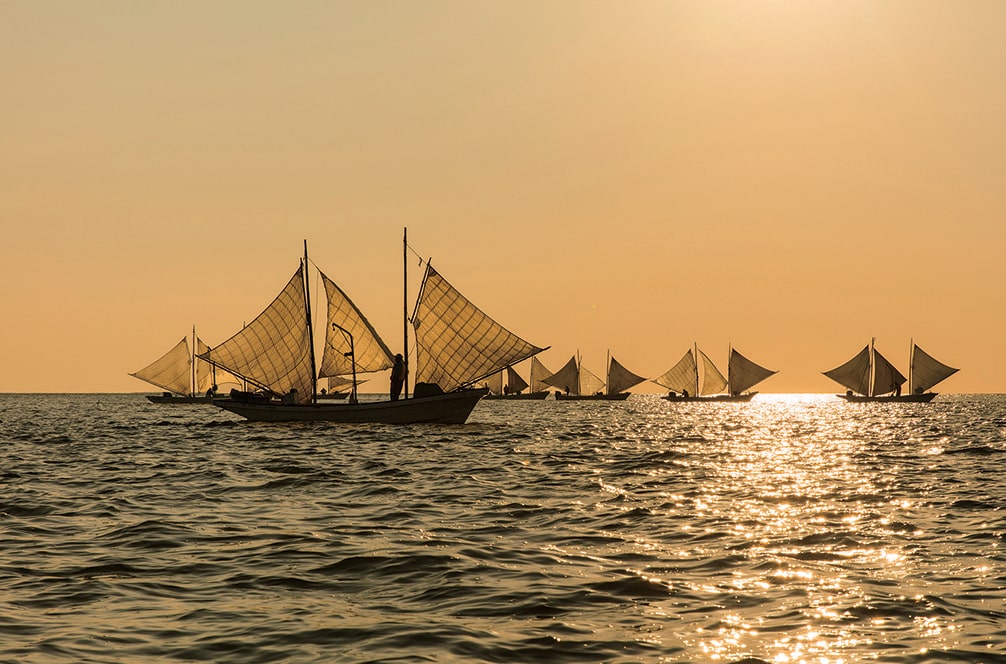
[[184, 377], [579, 384], [683, 378], [515, 384], [870, 377]]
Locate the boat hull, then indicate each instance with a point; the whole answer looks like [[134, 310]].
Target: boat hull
[[179, 400], [530, 396], [891, 398], [621, 396], [716, 398], [449, 408]]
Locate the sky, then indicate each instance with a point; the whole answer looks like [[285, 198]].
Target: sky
[[789, 178]]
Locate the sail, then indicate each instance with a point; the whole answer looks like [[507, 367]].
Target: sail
[[494, 382], [590, 383], [713, 381], [538, 375], [927, 371], [273, 350], [172, 371], [854, 374], [514, 382], [681, 377], [456, 342], [620, 379], [744, 374], [885, 377], [371, 352], [566, 379]]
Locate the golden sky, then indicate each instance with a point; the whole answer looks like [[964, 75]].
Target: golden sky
[[792, 178]]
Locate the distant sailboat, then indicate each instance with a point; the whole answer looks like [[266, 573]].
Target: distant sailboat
[[515, 385], [683, 378], [869, 376], [457, 345], [577, 383], [184, 377]]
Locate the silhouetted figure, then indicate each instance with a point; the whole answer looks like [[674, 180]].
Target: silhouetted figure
[[397, 377]]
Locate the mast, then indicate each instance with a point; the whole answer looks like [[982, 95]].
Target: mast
[[310, 329], [695, 361], [873, 367], [911, 365], [730, 387], [607, 374], [405, 307], [192, 364]]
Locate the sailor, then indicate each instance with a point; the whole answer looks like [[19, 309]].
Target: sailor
[[397, 377]]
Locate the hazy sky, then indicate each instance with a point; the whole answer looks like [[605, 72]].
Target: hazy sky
[[792, 177]]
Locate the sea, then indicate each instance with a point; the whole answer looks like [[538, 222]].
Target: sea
[[795, 528]]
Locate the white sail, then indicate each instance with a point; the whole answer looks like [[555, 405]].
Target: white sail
[[927, 371], [713, 381], [371, 352], [886, 378], [538, 375], [456, 342], [854, 374], [590, 383], [681, 377], [515, 384], [567, 378], [273, 350], [743, 373], [494, 382], [172, 371], [621, 379]]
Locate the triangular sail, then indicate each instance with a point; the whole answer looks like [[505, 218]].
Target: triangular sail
[[885, 377], [743, 373], [927, 371], [494, 382], [371, 352], [538, 375], [854, 374], [273, 350], [515, 384], [620, 379], [172, 371], [590, 383], [567, 378], [456, 342], [681, 377], [713, 381]]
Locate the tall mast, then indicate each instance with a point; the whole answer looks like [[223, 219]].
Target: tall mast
[[911, 365], [310, 329], [405, 306], [695, 361], [873, 367], [730, 388], [192, 364]]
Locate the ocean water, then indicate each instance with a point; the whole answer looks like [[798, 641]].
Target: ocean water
[[790, 529]]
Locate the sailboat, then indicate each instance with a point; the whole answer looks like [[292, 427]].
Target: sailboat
[[577, 383], [683, 378], [869, 376], [184, 377], [515, 384], [457, 344]]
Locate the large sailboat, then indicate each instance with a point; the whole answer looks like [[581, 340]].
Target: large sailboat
[[184, 377], [683, 378], [870, 377], [457, 344], [577, 383], [515, 383]]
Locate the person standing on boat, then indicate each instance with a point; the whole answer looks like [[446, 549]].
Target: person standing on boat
[[397, 377]]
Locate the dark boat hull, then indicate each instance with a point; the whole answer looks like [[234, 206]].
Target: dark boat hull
[[530, 396], [891, 398], [449, 408], [179, 400], [621, 396], [716, 398]]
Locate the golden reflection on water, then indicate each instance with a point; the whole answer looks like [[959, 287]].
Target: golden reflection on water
[[793, 483]]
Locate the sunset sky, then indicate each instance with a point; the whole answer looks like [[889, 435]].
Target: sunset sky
[[790, 177]]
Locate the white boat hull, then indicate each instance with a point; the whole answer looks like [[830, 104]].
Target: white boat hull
[[449, 408]]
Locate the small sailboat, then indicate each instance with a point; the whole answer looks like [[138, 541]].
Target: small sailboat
[[457, 345], [184, 377], [683, 378], [515, 384], [577, 383], [869, 376]]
